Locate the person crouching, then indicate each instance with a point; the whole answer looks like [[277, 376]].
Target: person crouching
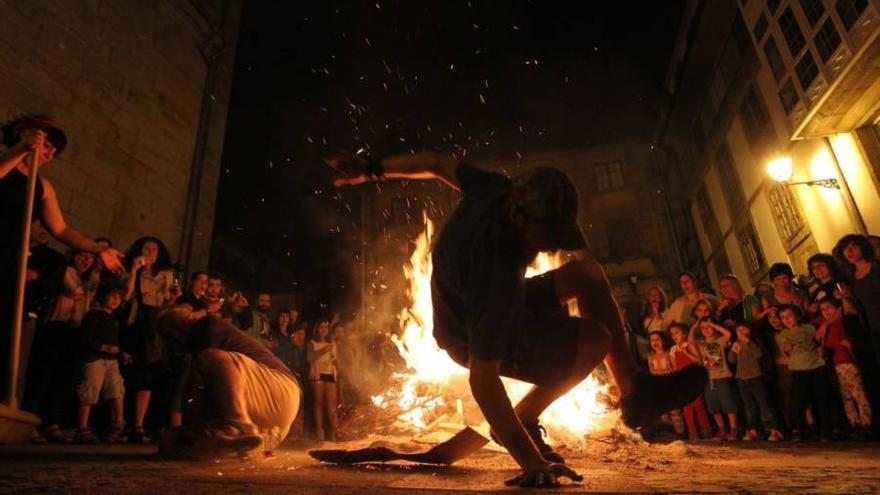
[[239, 397]]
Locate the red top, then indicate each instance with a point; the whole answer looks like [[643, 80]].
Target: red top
[[834, 337], [680, 358]]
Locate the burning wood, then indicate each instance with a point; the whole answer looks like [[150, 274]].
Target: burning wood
[[432, 391]]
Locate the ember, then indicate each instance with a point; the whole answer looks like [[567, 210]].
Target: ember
[[433, 391]]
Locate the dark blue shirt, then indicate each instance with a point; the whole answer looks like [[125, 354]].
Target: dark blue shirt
[[478, 282]]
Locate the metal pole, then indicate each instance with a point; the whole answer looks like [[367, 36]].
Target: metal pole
[[848, 197], [11, 398]]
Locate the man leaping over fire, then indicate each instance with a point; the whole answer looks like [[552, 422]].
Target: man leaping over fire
[[491, 319]]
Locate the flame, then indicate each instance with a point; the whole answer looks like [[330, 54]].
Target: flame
[[433, 382]]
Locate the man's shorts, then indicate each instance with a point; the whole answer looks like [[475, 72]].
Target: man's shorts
[[543, 351], [272, 398], [100, 377], [721, 396]]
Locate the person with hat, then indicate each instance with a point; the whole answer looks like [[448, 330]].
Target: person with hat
[[489, 318], [22, 137]]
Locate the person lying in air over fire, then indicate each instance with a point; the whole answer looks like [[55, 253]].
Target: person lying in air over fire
[[491, 319]]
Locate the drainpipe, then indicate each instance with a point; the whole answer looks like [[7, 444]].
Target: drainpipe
[[848, 197], [212, 49]]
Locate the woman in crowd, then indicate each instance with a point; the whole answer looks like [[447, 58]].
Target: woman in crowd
[[652, 321], [54, 360], [150, 286], [21, 137], [735, 306], [681, 310], [859, 254], [279, 336], [321, 355]]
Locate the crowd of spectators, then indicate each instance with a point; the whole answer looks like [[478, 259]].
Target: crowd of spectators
[[797, 359], [95, 341]]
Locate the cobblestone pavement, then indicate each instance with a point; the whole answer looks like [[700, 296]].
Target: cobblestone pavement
[[607, 467]]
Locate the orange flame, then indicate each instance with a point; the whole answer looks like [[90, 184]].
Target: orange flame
[[430, 369]]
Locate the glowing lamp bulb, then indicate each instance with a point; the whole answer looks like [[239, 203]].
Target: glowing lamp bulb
[[780, 169]]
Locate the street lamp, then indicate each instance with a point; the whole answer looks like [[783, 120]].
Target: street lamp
[[780, 169]]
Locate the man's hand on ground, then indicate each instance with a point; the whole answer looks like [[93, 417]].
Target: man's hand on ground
[[544, 476]]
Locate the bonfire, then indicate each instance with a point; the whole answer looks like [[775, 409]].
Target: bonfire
[[432, 392]]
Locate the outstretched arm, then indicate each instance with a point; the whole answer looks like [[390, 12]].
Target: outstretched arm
[[423, 165]]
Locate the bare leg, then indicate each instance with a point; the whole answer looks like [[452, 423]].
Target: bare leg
[[176, 419], [141, 403], [593, 343], [731, 418], [318, 406], [83, 416], [330, 404], [719, 420], [585, 281], [117, 411]]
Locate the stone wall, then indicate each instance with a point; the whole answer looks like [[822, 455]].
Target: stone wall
[[126, 81]]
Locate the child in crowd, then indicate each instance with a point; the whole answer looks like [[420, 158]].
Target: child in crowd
[[684, 354], [808, 383], [782, 383], [720, 394], [834, 333], [746, 355], [660, 363], [702, 309], [100, 371]]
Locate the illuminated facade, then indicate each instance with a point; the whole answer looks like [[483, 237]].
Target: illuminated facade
[[755, 80]]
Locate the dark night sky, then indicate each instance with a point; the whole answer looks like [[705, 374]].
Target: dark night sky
[[487, 78]]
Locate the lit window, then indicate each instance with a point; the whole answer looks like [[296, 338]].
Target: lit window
[[785, 213], [806, 70], [827, 40], [751, 249], [813, 10], [789, 97], [791, 31], [850, 11], [774, 59]]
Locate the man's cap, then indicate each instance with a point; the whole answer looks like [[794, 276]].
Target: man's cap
[[547, 196], [12, 131]]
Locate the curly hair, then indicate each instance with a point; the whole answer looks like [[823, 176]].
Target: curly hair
[[163, 259], [859, 241]]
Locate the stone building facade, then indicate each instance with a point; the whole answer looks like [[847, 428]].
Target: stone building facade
[[142, 89], [753, 82]]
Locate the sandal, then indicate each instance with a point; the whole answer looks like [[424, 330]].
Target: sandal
[[85, 436], [114, 434], [54, 434], [138, 435]]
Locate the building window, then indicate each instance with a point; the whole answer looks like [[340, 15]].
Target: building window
[[850, 11], [791, 31], [813, 10], [609, 175], [827, 40], [751, 249], [789, 97], [760, 27], [623, 237], [786, 213], [707, 217], [774, 59], [806, 70], [754, 115], [730, 184]]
